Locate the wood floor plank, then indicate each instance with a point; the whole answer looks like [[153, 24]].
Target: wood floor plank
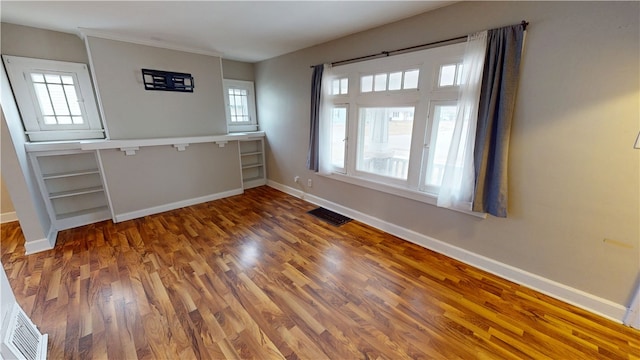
[[255, 276]]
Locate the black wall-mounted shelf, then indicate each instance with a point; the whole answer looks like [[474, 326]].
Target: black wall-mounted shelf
[[167, 81]]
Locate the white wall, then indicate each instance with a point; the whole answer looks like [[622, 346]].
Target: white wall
[[131, 112], [7, 211], [159, 178], [237, 70], [574, 177]]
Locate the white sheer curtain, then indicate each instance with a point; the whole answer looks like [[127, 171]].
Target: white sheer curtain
[[325, 166], [457, 186]]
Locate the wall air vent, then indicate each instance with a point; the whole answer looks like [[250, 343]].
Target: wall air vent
[[22, 339], [167, 81]]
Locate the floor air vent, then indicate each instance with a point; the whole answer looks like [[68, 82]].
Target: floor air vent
[[22, 340], [329, 216]]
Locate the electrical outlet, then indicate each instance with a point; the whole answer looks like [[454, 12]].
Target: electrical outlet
[[296, 179], [309, 183]]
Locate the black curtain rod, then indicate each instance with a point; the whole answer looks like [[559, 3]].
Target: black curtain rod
[[407, 49]]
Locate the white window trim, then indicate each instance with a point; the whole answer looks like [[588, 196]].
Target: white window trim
[[18, 70], [246, 85]]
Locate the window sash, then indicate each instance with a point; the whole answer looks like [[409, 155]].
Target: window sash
[[384, 144], [240, 108], [442, 115], [20, 70], [339, 127], [68, 113]]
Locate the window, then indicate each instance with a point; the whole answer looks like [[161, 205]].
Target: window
[[443, 121], [450, 75], [384, 141], [340, 86], [55, 99], [403, 120], [240, 106], [338, 137], [398, 80]]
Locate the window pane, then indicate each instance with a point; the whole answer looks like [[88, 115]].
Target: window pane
[[58, 99], [344, 86], [459, 75], [366, 83], [411, 79], [380, 83], [37, 78], [72, 99], [447, 75], [238, 106], [335, 87], [338, 135], [43, 99], [443, 123], [67, 80], [78, 120], [52, 78], [244, 107], [50, 120], [384, 141], [64, 120], [395, 81]]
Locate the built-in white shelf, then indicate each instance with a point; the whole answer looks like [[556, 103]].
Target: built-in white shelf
[[70, 174], [252, 162], [75, 192], [83, 212], [72, 187], [130, 146]]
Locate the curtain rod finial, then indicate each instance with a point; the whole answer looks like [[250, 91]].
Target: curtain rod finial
[[524, 24]]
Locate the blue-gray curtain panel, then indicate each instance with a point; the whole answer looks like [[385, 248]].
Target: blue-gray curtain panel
[[495, 113], [314, 132]]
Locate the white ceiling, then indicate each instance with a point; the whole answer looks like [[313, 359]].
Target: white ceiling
[[240, 30]]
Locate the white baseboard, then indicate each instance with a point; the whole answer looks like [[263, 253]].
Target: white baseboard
[[579, 298], [48, 243], [175, 205], [8, 217]]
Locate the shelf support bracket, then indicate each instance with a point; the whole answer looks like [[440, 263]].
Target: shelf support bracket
[[129, 150], [180, 147], [221, 143]]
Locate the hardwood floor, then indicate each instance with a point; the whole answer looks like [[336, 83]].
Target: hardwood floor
[[254, 276]]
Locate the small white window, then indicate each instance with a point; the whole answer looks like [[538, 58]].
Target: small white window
[[240, 105], [380, 82], [366, 83], [55, 99], [411, 79], [340, 86], [450, 75], [395, 80]]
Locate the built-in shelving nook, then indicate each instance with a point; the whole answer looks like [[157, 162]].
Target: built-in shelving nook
[[252, 162], [72, 187]]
